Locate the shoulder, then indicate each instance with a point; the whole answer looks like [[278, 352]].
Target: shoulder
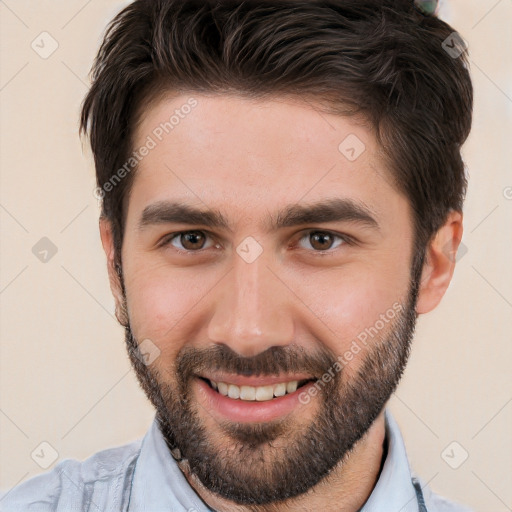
[[74, 485]]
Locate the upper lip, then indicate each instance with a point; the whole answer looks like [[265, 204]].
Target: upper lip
[[263, 380]]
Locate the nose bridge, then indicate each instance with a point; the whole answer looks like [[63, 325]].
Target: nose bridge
[[250, 314]]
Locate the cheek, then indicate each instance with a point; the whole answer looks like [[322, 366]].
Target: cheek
[[356, 306], [161, 305]]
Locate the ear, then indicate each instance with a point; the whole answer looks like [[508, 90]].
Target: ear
[[439, 263], [107, 240]]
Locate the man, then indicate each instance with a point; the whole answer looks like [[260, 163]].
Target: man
[[282, 192]]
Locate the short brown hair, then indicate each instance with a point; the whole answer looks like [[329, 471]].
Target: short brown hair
[[383, 59]]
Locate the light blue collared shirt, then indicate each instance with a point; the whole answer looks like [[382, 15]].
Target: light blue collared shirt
[[144, 477]]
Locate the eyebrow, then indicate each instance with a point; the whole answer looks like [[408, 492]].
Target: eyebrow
[[329, 210]]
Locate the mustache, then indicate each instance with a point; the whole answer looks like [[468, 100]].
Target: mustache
[[273, 361]]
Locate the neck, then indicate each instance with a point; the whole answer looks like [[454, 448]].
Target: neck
[[346, 488]]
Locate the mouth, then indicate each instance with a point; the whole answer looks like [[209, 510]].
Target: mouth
[[262, 393], [255, 399]]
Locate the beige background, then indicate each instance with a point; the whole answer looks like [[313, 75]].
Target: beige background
[[65, 378]]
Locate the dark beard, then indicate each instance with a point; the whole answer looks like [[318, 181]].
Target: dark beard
[[250, 470]]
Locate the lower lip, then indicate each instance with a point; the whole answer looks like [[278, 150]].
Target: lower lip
[[244, 411]]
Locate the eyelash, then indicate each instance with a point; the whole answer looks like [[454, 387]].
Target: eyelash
[[346, 239]]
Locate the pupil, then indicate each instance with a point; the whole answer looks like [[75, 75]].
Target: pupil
[[322, 237], [191, 238]]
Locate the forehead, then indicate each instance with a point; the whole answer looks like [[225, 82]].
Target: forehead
[[250, 155]]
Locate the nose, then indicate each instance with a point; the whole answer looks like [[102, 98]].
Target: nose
[[252, 309]]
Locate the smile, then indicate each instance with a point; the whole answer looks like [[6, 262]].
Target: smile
[[256, 393]]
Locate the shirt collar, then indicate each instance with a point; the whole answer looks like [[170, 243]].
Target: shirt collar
[[159, 485], [394, 490]]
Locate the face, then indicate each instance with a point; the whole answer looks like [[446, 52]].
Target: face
[[263, 261]]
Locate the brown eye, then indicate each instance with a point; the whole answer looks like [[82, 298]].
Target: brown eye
[[192, 240], [323, 240], [320, 241], [188, 240]]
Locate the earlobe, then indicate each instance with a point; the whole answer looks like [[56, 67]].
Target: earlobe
[[439, 263], [114, 270]]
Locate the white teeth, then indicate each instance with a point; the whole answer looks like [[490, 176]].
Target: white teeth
[[291, 386], [247, 393], [233, 391], [223, 388], [280, 389], [251, 393], [264, 393]]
